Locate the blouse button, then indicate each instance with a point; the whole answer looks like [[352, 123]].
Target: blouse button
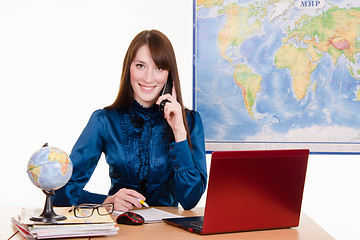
[[176, 167], [171, 148], [174, 157]]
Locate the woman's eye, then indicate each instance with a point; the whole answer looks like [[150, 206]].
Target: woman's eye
[[159, 68], [139, 65]]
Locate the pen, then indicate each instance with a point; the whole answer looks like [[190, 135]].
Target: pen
[[143, 203]]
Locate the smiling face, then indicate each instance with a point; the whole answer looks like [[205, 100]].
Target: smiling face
[[147, 79]]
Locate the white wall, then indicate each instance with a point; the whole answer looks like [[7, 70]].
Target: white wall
[[61, 60]]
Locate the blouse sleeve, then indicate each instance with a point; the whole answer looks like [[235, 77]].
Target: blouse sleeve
[[190, 164], [84, 156]]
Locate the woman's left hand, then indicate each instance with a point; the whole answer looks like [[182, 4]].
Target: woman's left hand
[[173, 115]]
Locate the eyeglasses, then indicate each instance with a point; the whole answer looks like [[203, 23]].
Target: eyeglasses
[[87, 209]]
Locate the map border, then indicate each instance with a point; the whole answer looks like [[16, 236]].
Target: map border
[[217, 145]]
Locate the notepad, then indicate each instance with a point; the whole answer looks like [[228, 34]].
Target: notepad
[[151, 215]]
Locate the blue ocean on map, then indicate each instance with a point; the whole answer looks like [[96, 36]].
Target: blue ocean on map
[[329, 114]]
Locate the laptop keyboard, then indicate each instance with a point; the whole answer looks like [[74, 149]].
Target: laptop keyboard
[[195, 224]]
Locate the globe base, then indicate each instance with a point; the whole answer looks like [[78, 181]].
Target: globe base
[[48, 214], [52, 218]]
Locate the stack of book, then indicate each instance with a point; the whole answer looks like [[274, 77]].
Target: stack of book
[[71, 227]]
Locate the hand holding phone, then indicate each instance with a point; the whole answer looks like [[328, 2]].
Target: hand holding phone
[[174, 114]]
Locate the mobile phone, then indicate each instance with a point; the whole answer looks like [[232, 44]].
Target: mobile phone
[[167, 89]]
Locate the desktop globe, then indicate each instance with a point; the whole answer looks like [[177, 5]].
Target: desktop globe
[[49, 169]]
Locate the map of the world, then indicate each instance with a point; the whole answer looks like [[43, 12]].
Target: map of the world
[[278, 71]]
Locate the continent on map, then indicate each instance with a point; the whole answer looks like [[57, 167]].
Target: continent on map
[[35, 172], [300, 65], [249, 82], [334, 32], [209, 3], [240, 24], [55, 156]]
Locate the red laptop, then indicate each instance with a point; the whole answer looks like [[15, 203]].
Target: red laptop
[[251, 190]]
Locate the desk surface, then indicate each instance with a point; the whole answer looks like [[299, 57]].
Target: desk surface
[[307, 229]]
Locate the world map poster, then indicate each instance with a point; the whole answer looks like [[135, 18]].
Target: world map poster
[[274, 74]]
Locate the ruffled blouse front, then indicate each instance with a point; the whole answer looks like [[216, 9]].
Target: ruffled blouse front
[[141, 153]]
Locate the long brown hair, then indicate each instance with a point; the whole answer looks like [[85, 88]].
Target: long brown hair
[[163, 55]]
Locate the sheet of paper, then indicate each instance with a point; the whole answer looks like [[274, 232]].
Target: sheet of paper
[[151, 215]]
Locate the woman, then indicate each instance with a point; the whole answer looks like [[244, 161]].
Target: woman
[[153, 156]]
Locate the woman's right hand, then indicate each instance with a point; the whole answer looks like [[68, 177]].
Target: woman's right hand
[[125, 199]]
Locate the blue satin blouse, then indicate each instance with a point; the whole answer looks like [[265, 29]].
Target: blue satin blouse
[[142, 155]]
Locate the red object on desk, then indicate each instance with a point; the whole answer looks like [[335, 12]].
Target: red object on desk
[[261, 190]]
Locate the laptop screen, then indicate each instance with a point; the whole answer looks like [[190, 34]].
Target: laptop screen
[[253, 190]]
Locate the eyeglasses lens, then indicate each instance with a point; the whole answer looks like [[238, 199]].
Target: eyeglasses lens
[[83, 211], [105, 209]]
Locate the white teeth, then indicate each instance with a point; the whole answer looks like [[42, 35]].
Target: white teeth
[[146, 87]]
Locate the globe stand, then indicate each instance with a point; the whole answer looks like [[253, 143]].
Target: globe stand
[[48, 214]]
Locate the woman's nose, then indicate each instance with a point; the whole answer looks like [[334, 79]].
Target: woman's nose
[[149, 76]]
